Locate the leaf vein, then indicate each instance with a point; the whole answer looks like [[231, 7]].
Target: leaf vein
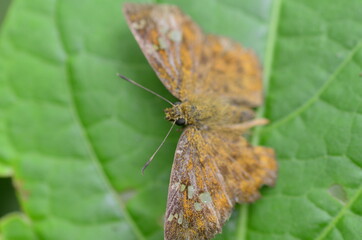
[[315, 98], [342, 212]]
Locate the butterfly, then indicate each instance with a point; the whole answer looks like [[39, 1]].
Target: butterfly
[[218, 83]]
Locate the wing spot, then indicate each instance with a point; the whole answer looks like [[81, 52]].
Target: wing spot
[[183, 187], [170, 217], [180, 219], [175, 36], [198, 206], [139, 25], [163, 44], [190, 192], [205, 197]]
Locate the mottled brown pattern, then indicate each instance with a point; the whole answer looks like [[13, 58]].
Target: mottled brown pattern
[[222, 164], [217, 81], [172, 58]]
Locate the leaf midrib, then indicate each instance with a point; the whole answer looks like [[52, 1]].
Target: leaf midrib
[[268, 63]]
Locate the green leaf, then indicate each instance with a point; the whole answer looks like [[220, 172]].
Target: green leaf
[[16, 227], [74, 137]]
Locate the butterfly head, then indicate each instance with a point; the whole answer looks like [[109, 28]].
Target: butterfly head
[[199, 111], [177, 114]]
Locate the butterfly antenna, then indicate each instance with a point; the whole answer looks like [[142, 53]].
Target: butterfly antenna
[[148, 90], [154, 154]]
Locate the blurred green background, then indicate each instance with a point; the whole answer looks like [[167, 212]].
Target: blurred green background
[[4, 4], [8, 201]]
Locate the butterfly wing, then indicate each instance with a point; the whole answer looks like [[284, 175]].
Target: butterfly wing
[[228, 70], [211, 171], [170, 40], [189, 62]]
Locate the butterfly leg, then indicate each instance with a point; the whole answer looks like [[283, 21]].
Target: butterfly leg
[[249, 124]]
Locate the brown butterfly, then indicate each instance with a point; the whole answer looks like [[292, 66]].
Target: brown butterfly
[[218, 82]]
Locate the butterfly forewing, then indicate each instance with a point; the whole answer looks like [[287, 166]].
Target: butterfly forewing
[[170, 41], [189, 62]]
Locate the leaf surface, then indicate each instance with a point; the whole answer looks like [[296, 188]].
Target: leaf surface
[[74, 137]]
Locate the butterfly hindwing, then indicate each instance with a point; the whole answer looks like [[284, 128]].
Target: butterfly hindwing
[[228, 70], [213, 170]]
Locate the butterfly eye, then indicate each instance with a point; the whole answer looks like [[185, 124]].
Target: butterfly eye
[[180, 122]]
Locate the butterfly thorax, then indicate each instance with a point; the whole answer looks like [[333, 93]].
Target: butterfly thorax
[[199, 111]]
